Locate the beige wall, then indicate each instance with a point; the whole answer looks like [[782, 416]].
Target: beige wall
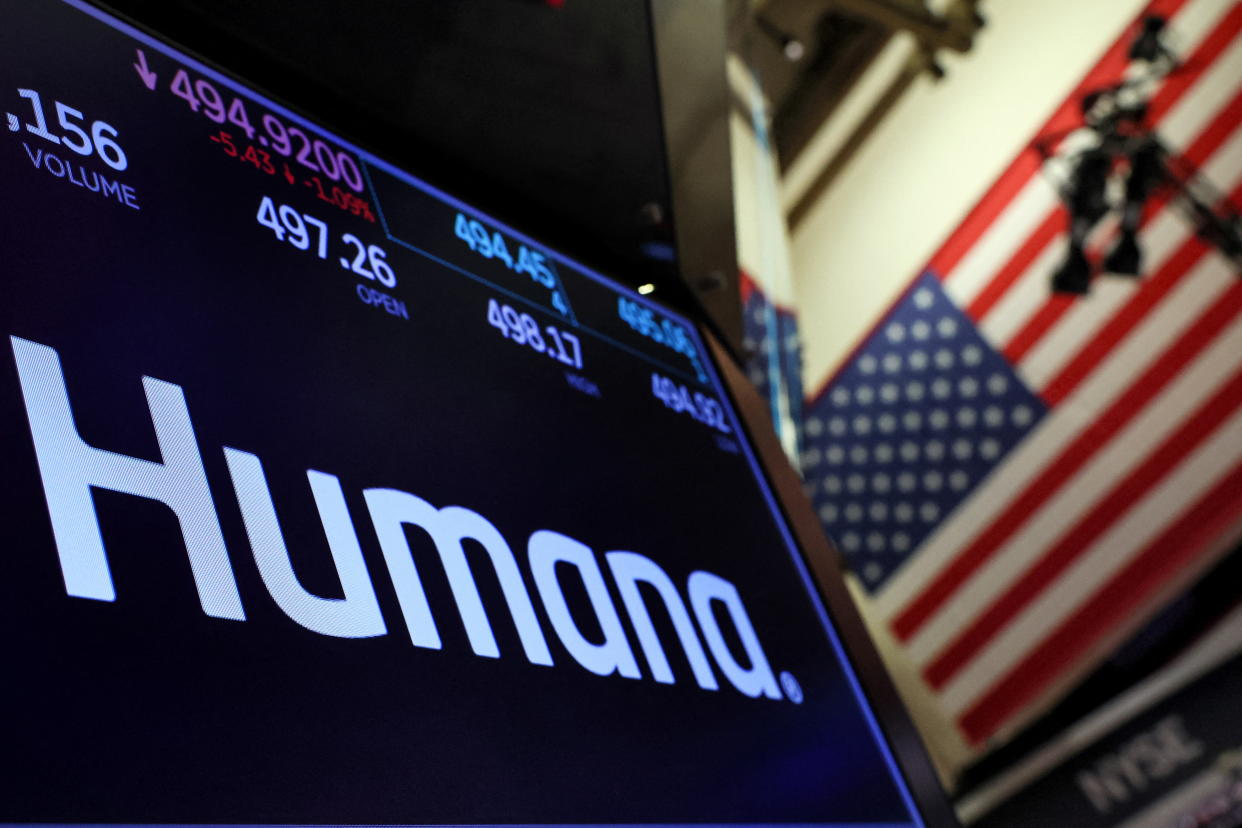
[[932, 158]]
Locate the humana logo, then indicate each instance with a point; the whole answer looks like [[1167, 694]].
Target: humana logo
[[70, 469]]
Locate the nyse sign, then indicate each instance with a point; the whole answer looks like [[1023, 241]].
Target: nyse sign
[[1142, 762], [1132, 775]]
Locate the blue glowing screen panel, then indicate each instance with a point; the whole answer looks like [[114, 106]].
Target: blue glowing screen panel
[[329, 499]]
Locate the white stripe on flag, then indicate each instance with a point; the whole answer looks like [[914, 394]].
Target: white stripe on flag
[[1192, 23], [1001, 240], [1027, 295], [1111, 462], [1144, 520]]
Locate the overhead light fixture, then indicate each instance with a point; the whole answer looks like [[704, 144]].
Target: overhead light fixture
[[1087, 200], [1149, 45], [645, 289], [1146, 170], [1074, 274], [1125, 259], [791, 47], [932, 63], [1125, 141]]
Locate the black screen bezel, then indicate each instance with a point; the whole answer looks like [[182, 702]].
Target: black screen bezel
[[793, 508], [827, 569]]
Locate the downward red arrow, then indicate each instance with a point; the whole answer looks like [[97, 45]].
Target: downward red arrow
[[144, 72]]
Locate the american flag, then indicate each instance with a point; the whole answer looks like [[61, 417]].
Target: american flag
[[1019, 478]]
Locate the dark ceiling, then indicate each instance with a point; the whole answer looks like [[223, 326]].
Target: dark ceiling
[[546, 113], [836, 46], [556, 115]]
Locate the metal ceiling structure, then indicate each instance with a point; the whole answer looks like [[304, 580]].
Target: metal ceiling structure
[[838, 40]]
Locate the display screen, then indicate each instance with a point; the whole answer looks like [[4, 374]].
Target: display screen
[[330, 499]]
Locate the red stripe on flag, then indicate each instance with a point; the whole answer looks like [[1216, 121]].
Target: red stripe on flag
[[1025, 589], [1042, 236], [981, 216], [1014, 178], [1069, 461], [1043, 319], [745, 284], [1209, 141], [1117, 601]]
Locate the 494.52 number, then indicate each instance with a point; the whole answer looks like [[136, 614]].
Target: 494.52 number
[[698, 405]]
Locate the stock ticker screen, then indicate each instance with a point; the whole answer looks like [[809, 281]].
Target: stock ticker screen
[[330, 499]]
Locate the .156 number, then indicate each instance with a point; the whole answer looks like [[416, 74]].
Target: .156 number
[[101, 140]]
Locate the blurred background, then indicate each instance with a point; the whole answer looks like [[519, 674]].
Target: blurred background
[[991, 262]]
